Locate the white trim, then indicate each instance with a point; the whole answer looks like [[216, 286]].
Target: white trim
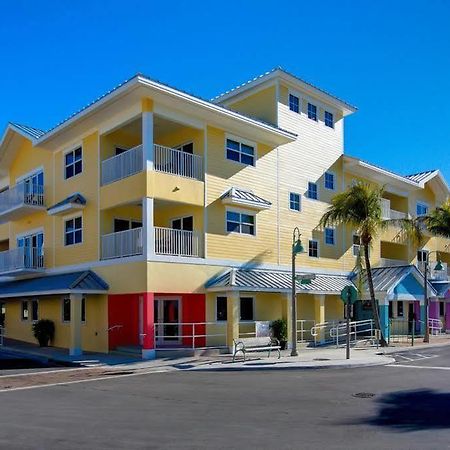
[[73, 217], [161, 299], [331, 172], [30, 233], [244, 141], [215, 308], [307, 191], [240, 211], [72, 148], [62, 292], [205, 191], [325, 236], [299, 202], [62, 208], [30, 174], [27, 301], [300, 101], [126, 219]]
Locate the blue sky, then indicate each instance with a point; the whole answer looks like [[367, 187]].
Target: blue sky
[[389, 58]]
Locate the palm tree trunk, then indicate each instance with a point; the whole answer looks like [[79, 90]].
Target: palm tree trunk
[[373, 301]]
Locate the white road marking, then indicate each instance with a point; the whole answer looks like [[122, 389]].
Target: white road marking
[[404, 357], [418, 367]]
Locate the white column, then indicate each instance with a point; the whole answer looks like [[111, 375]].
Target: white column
[[148, 236], [148, 149], [75, 325]]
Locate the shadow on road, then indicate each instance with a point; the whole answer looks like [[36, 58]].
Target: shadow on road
[[412, 410]]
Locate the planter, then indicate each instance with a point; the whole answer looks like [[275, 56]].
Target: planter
[[283, 345]]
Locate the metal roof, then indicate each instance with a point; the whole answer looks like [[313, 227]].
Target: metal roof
[[442, 288], [242, 196], [275, 281], [76, 198], [421, 176], [34, 133], [65, 283]]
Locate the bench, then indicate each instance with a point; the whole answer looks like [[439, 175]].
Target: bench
[[255, 344]]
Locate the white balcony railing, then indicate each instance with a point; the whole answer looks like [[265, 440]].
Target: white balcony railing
[[176, 242], [435, 275], [122, 244], [22, 194], [121, 166], [179, 163], [21, 259]]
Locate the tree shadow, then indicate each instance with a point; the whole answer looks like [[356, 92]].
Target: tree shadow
[[406, 411]]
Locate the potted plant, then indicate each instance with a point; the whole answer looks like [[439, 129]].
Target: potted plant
[[44, 331], [279, 331]]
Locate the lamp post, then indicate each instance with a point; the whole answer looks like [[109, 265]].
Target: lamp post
[[426, 336], [297, 247]]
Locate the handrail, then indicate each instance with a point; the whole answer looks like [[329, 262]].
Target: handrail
[[23, 193], [169, 241], [177, 162], [123, 165]]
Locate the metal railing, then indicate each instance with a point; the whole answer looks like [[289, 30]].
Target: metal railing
[[2, 335], [121, 166], [170, 160], [22, 258], [122, 244], [403, 331], [304, 327], [22, 194], [176, 242], [437, 275], [436, 326]]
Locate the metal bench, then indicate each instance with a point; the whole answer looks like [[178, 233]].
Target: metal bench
[[256, 344]]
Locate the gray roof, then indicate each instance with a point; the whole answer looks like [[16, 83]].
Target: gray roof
[[421, 176], [74, 198], [241, 195], [442, 288], [65, 283], [275, 281], [386, 278], [35, 133]]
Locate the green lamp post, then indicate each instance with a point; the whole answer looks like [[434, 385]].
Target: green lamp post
[[297, 248]]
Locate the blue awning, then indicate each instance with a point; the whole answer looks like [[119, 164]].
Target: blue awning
[[81, 282]]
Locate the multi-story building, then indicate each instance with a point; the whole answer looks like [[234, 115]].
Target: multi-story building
[[154, 218]]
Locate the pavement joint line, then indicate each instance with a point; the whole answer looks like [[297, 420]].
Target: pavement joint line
[[418, 367]]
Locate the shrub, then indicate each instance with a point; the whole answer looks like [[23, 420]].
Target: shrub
[[44, 331]]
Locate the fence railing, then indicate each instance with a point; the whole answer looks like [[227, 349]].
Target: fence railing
[[170, 160], [176, 242], [121, 166], [304, 328], [22, 193], [436, 326], [2, 335], [335, 332], [21, 258], [122, 244]]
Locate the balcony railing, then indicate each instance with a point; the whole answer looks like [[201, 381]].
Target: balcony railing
[[22, 194], [388, 213], [122, 244], [121, 166], [169, 160], [435, 275], [21, 259], [176, 242]]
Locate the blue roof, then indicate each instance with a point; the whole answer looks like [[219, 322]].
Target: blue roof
[[64, 283]]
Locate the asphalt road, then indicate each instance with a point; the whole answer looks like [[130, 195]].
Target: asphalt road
[[402, 406]]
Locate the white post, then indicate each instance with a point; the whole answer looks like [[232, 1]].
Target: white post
[[148, 235], [148, 149], [75, 325]]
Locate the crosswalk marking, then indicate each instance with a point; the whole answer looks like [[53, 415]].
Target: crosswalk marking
[[413, 356], [409, 366]]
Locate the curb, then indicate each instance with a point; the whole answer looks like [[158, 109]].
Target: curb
[[389, 350]]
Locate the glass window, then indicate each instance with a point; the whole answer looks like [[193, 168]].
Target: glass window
[[312, 191], [221, 309], [313, 249], [66, 310], [25, 311], [422, 256], [329, 181], [294, 201], [240, 223], [312, 111], [356, 248], [329, 121], [391, 310], [83, 309], [330, 236], [399, 309], [73, 163], [294, 103], [442, 309], [246, 308], [35, 310], [73, 231], [243, 153], [421, 209]]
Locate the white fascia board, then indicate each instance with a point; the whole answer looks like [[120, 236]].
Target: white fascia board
[[64, 208], [247, 203]]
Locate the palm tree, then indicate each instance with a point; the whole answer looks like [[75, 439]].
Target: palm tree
[[438, 221], [360, 207]]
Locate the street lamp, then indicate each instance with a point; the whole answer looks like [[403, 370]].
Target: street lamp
[[297, 248], [439, 266]]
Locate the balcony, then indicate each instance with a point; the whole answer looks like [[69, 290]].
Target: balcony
[[20, 200], [435, 275], [122, 166], [21, 261], [390, 214], [168, 242]]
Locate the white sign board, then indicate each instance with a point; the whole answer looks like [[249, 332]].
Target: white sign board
[[262, 329]]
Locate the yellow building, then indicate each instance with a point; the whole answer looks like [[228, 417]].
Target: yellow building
[[153, 218]]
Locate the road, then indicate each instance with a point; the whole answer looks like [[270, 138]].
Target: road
[[405, 405]]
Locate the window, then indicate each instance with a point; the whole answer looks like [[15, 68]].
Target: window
[[442, 309], [186, 148], [25, 311], [312, 191], [73, 233], [246, 308], [421, 209], [221, 309], [73, 163], [391, 310], [120, 150], [294, 103], [313, 248], [240, 223], [66, 310], [83, 309], [329, 121], [422, 256], [330, 236], [356, 248], [34, 310], [243, 153], [312, 112], [329, 181], [125, 224], [184, 223], [399, 309], [294, 201]]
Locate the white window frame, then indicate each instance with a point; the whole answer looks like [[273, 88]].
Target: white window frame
[[241, 141], [317, 191], [297, 95], [318, 248], [32, 301], [253, 308], [73, 217], [325, 121], [70, 310], [178, 147], [325, 236], [317, 111], [423, 204], [66, 152], [172, 220], [423, 252], [62, 310], [22, 319], [299, 202], [329, 172], [215, 309], [126, 219], [30, 174], [240, 211], [356, 245]]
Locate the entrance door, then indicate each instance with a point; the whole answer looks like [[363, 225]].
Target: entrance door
[[167, 318], [410, 316]]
